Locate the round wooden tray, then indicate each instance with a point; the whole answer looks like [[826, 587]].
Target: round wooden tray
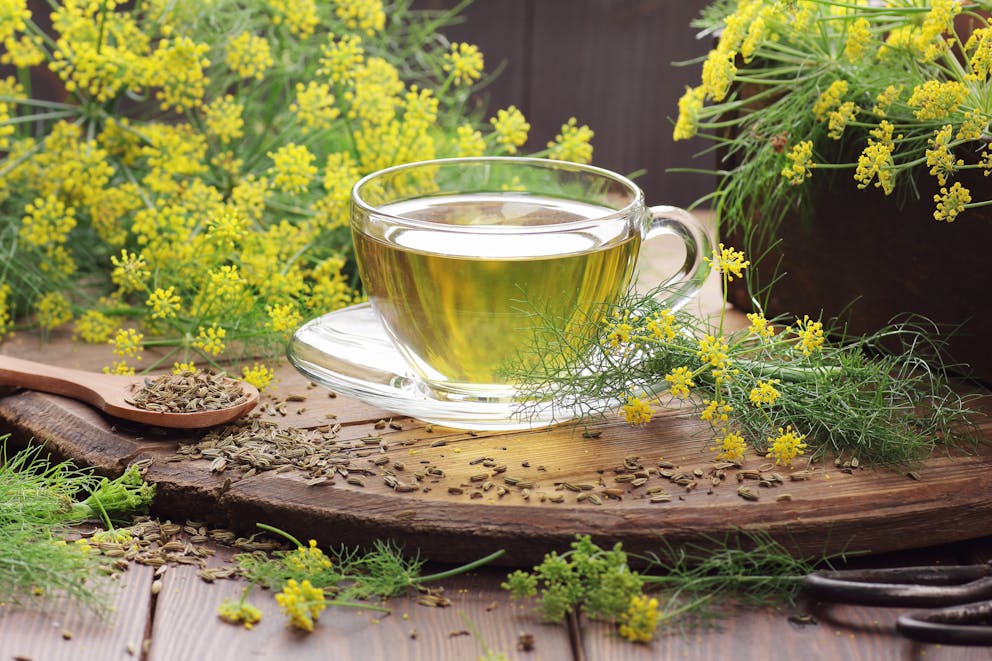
[[461, 514]]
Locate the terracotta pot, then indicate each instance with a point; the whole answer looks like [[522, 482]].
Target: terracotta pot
[[863, 254]]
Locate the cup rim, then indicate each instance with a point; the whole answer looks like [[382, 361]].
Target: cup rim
[[624, 212]]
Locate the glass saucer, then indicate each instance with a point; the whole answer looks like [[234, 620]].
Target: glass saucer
[[349, 352]]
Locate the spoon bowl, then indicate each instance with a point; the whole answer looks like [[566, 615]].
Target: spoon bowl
[[110, 393]]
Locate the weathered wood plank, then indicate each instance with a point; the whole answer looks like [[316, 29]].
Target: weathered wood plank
[[814, 629], [609, 63], [867, 510], [503, 32], [840, 632], [876, 511], [38, 635], [187, 627]]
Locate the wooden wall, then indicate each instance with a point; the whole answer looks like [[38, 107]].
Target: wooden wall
[[607, 62]]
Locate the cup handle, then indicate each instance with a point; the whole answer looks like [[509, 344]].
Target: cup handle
[[687, 281]]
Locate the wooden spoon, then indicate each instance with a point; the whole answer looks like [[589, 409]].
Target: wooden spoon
[[109, 392]]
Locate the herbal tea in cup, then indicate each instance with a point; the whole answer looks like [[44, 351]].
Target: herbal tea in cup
[[463, 259]]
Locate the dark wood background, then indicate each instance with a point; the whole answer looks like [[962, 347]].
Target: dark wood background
[[609, 63]]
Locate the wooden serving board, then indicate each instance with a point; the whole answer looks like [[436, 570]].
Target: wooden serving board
[[453, 518]]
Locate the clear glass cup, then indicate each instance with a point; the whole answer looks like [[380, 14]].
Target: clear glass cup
[[465, 260]]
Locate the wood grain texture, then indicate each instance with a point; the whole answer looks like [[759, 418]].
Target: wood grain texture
[[38, 635], [502, 31], [609, 63], [480, 613], [852, 633], [867, 510], [941, 275]]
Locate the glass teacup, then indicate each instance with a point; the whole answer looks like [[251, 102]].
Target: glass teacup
[[466, 260]]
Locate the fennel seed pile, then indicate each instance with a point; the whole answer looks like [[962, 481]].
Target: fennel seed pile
[[187, 392]]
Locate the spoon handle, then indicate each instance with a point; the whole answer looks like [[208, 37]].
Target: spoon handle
[[78, 384]]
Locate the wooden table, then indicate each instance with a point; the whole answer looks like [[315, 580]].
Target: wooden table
[[180, 624], [180, 621]]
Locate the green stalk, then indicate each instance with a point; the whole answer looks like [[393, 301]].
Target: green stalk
[[281, 533], [458, 570], [357, 604]]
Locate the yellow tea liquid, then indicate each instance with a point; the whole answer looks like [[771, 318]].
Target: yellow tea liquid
[[460, 306]]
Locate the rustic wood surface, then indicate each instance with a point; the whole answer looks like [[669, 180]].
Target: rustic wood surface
[[180, 624], [873, 510], [608, 63], [862, 511]]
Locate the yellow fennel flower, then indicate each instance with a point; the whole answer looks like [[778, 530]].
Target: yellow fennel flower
[[979, 46], [885, 99], [299, 16], [875, 161], [728, 261], [859, 39], [165, 304], [690, 105], [760, 326], [283, 317], [53, 310], [572, 144], [258, 375], [718, 73], [680, 381], [309, 559], [786, 446], [619, 331], [732, 447], [951, 202], [210, 340], [636, 411], [292, 168], [716, 412], [239, 612], [662, 326], [801, 169], [302, 603], [810, 335], [939, 20], [935, 100], [511, 128], [639, 621], [464, 63], [469, 141], [14, 15], [92, 326], [223, 117], [765, 393], [178, 72], [119, 367], [837, 120], [367, 16], [829, 99], [341, 58], [249, 55], [128, 343], [48, 221], [314, 105], [939, 156], [713, 350]]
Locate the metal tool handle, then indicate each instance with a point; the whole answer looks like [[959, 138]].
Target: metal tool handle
[[955, 625], [904, 586]]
